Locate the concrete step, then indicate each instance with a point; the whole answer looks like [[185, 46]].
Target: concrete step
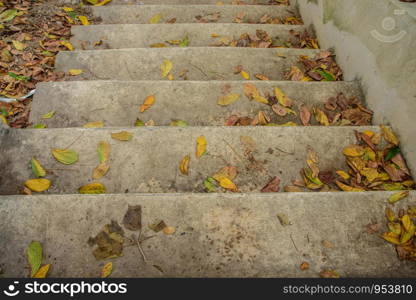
[[197, 2], [116, 103], [141, 14], [149, 162], [211, 63], [217, 235], [199, 35]]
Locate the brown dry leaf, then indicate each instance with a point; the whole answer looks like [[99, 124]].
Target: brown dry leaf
[[261, 77], [147, 103], [329, 274], [304, 266], [184, 165], [250, 90], [305, 115], [272, 186], [132, 219]]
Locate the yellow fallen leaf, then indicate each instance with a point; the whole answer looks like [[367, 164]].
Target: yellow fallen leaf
[[321, 117], [100, 171], [343, 174], [389, 135], [347, 188], [92, 188], [215, 35], [75, 72], [184, 165], [391, 237], [370, 173], [407, 235], [48, 115], [65, 156], [282, 98], [201, 146], [3, 119], [67, 9], [122, 136], [407, 222], [390, 214], [104, 2], [353, 151], [228, 99], [19, 45], [68, 45], [245, 75], [84, 20], [70, 20], [260, 99], [166, 67], [38, 185], [398, 196], [98, 124], [106, 270], [42, 272], [226, 183], [147, 103], [229, 172], [170, 76], [155, 19]]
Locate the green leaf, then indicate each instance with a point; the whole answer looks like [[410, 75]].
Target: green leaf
[[185, 42], [39, 126], [19, 77], [392, 153], [48, 115], [37, 168], [103, 151], [139, 123], [210, 185], [34, 256], [326, 75], [72, 14], [179, 123], [8, 15], [65, 156]]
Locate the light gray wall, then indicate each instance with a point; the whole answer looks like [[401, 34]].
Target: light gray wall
[[387, 70]]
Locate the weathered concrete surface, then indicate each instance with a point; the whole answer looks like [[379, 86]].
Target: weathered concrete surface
[[199, 35], [193, 2], [211, 63], [116, 103], [384, 59], [141, 14], [150, 161], [216, 235]]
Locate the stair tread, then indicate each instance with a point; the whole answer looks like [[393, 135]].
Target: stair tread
[[149, 162], [124, 14], [116, 103], [217, 235], [219, 63], [199, 35]]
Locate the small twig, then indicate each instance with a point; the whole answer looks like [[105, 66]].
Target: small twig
[[74, 141], [140, 246], [198, 68], [283, 151], [294, 243]]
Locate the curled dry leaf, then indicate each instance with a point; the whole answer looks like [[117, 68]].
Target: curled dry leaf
[[272, 186], [184, 165], [147, 103]]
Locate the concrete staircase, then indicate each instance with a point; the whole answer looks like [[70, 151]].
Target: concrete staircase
[[217, 234]]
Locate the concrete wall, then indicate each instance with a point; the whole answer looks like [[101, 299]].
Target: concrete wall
[[375, 42]]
